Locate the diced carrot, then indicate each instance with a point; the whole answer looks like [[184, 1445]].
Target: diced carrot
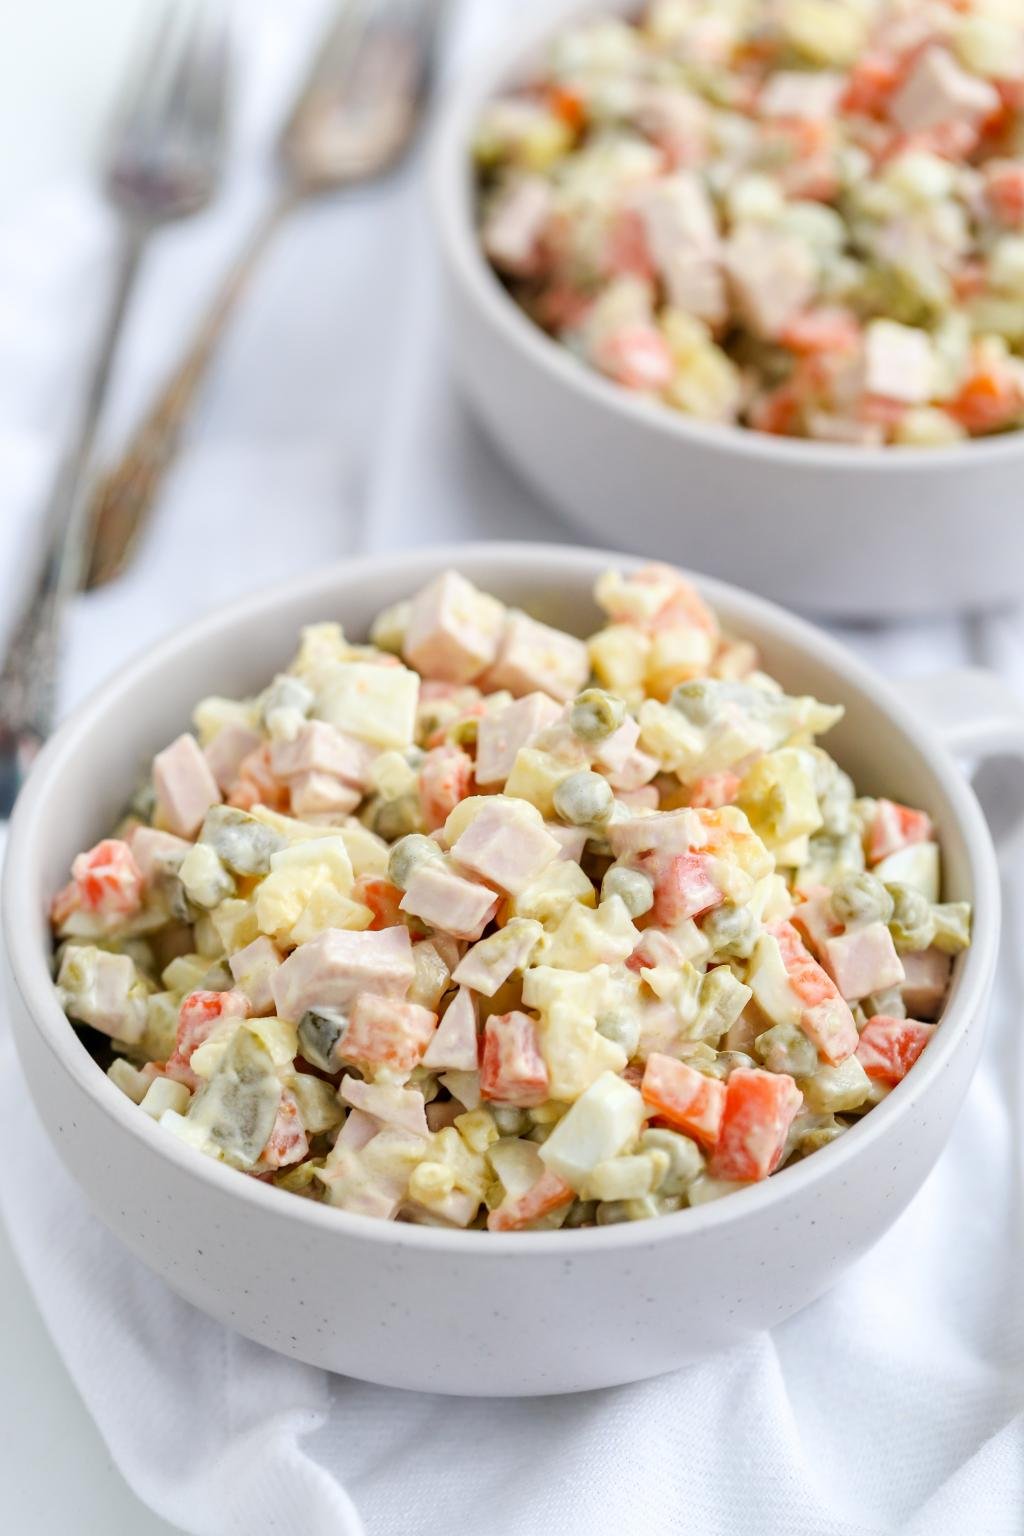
[[821, 330], [512, 1069], [759, 1109], [686, 1098], [383, 900], [199, 1014], [637, 356], [777, 412], [970, 278], [871, 83], [287, 1142], [1004, 187], [568, 106], [825, 1017], [895, 826], [257, 784], [715, 790], [105, 880], [989, 399], [889, 1047], [446, 777], [383, 1031], [547, 1195]]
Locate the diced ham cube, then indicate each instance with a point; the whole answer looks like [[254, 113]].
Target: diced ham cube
[[185, 786], [287, 1142], [636, 769], [387, 1103], [97, 989], [443, 899], [666, 832], [773, 276], [320, 794], [228, 750], [506, 845], [359, 1128], [334, 967], [825, 1017], [453, 630], [759, 1109], [454, 1046], [155, 852], [683, 887], [512, 1069], [686, 1098], [502, 732], [899, 363], [715, 790], [615, 751], [514, 226], [863, 960], [937, 91], [446, 777], [383, 1031], [682, 236], [815, 920], [571, 841], [253, 969], [322, 748], [800, 93], [514, 1213], [889, 1047], [533, 656], [896, 826], [925, 982]]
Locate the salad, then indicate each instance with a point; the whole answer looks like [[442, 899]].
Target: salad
[[805, 217], [484, 925]]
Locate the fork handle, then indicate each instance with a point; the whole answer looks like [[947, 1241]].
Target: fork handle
[[124, 496], [29, 667]]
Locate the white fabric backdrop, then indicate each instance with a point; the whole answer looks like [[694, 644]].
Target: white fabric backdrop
[[895, 1404]]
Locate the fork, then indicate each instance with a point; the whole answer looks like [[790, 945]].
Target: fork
[[354, 115], [162, 164]]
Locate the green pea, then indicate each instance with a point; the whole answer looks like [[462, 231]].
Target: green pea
[[584, 799], [785, 1048], [393, 819], [685, 1159], [596, 715], [632, 886], [621, 1028], [912, 925], [731, 931], [695, 700], [861, 899], [408, 854]]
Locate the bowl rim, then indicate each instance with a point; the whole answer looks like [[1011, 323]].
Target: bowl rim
[[32, 977], [449, 181]]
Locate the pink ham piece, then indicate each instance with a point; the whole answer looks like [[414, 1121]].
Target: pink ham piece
[[185, 786], [635, 771], [320, 748], [863, 960], [925, 982], [615, 751], [894, 827], [387, 1103], [825, 1017], [359, 1128], [801, 94], [320, 794], [506, 846], [501, 733], [253, 969], [666, 832], [681, 234], [385, 1032], [453, 630], [443, 899], [814, 919], [512, 1069], [453, 1046], [333, 968], [228, 750], [938, 91], [533, 656], [156, 852], [515, 1212], [515, 223], [772, 276], [571, 841]]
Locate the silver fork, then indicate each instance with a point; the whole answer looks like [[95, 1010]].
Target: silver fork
[[353, 116], [162, 164]]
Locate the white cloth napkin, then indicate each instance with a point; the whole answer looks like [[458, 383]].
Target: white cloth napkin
[[896, 1403]]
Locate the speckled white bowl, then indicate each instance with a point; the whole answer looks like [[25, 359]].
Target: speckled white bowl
[[821, 527], [472, 1312]]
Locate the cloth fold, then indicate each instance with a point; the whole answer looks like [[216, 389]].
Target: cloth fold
[[893, 1404]]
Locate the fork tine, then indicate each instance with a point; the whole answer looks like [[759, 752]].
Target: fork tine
[[203, 74], [149, 54]]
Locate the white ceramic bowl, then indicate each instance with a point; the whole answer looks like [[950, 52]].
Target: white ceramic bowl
[[472, 1312], [817, 526]]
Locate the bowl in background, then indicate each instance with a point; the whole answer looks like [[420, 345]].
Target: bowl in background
[[828, 529], [473, 1312]]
